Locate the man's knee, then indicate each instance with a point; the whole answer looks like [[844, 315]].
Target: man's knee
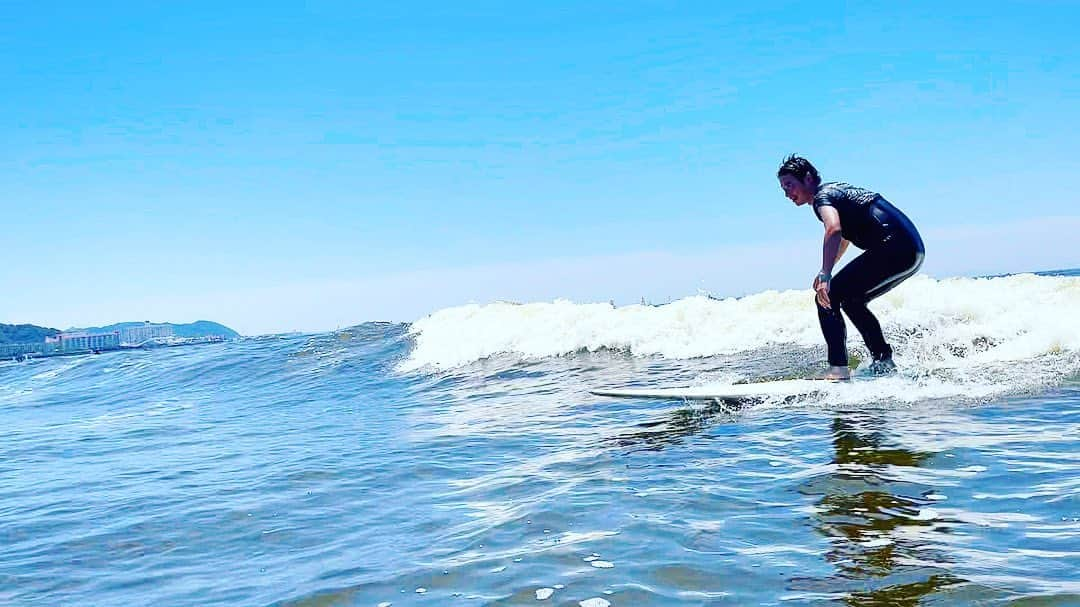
[[851, 303], [821, 309]]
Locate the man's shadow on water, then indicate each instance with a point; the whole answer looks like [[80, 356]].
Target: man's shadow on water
[[695, 418], [861, 509], [679, 424]]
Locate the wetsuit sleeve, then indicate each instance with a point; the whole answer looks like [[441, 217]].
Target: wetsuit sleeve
[[825, 198]]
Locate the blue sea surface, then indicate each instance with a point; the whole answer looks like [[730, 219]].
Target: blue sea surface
[[317, 470]]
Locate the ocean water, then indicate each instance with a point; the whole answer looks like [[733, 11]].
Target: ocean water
[[460, 460]]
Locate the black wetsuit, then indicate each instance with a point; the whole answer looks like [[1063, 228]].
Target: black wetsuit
[[893, 252]]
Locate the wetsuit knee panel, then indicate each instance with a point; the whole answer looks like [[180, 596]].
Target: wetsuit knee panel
[[833, 311], [849, 302]]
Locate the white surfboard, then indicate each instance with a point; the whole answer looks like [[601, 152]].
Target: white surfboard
[[786, 387]]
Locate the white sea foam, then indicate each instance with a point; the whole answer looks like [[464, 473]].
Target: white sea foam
[[969, 336], [989, 319], [688, 328]]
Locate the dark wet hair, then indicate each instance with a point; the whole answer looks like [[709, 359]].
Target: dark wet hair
[[798, 167]]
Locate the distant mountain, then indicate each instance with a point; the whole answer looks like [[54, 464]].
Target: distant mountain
[[24, 334], [199, 328], [204, 328]]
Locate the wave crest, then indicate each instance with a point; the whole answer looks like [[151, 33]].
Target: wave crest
[[954, 323]]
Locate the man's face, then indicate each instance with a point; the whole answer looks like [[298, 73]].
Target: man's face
[[799, 191]]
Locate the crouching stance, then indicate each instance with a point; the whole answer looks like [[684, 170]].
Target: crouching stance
[[893, 251]]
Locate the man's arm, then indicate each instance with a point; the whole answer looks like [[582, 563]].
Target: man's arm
[[830, 254], [832, 247], [843, 249]]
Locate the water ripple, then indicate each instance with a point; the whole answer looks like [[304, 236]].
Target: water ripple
[[306, 470]]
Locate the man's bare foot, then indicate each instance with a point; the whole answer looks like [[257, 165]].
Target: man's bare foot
[[836, 374]]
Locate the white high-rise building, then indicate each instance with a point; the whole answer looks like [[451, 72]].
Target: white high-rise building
[[79, 341], [133, 336]]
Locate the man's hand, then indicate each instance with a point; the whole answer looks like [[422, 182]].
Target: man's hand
[[821, 287]]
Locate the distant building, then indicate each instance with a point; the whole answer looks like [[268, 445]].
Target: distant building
[[84, 342], [18, 351], [81, 341], [140, 334]]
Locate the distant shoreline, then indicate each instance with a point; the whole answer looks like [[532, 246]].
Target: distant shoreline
[[20, 342], [35, 353]]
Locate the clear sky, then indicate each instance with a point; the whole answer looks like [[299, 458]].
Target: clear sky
[[308, 165]]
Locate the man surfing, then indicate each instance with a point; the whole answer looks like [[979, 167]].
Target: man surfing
[[893, 251]]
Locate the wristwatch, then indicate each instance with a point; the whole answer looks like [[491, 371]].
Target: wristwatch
[[824, 277]]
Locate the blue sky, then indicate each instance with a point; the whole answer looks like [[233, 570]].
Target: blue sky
[[280, 166]]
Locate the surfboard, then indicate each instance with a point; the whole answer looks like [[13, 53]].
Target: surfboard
[[785, 387]]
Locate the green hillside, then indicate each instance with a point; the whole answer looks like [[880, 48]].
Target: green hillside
[[24, 334]]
